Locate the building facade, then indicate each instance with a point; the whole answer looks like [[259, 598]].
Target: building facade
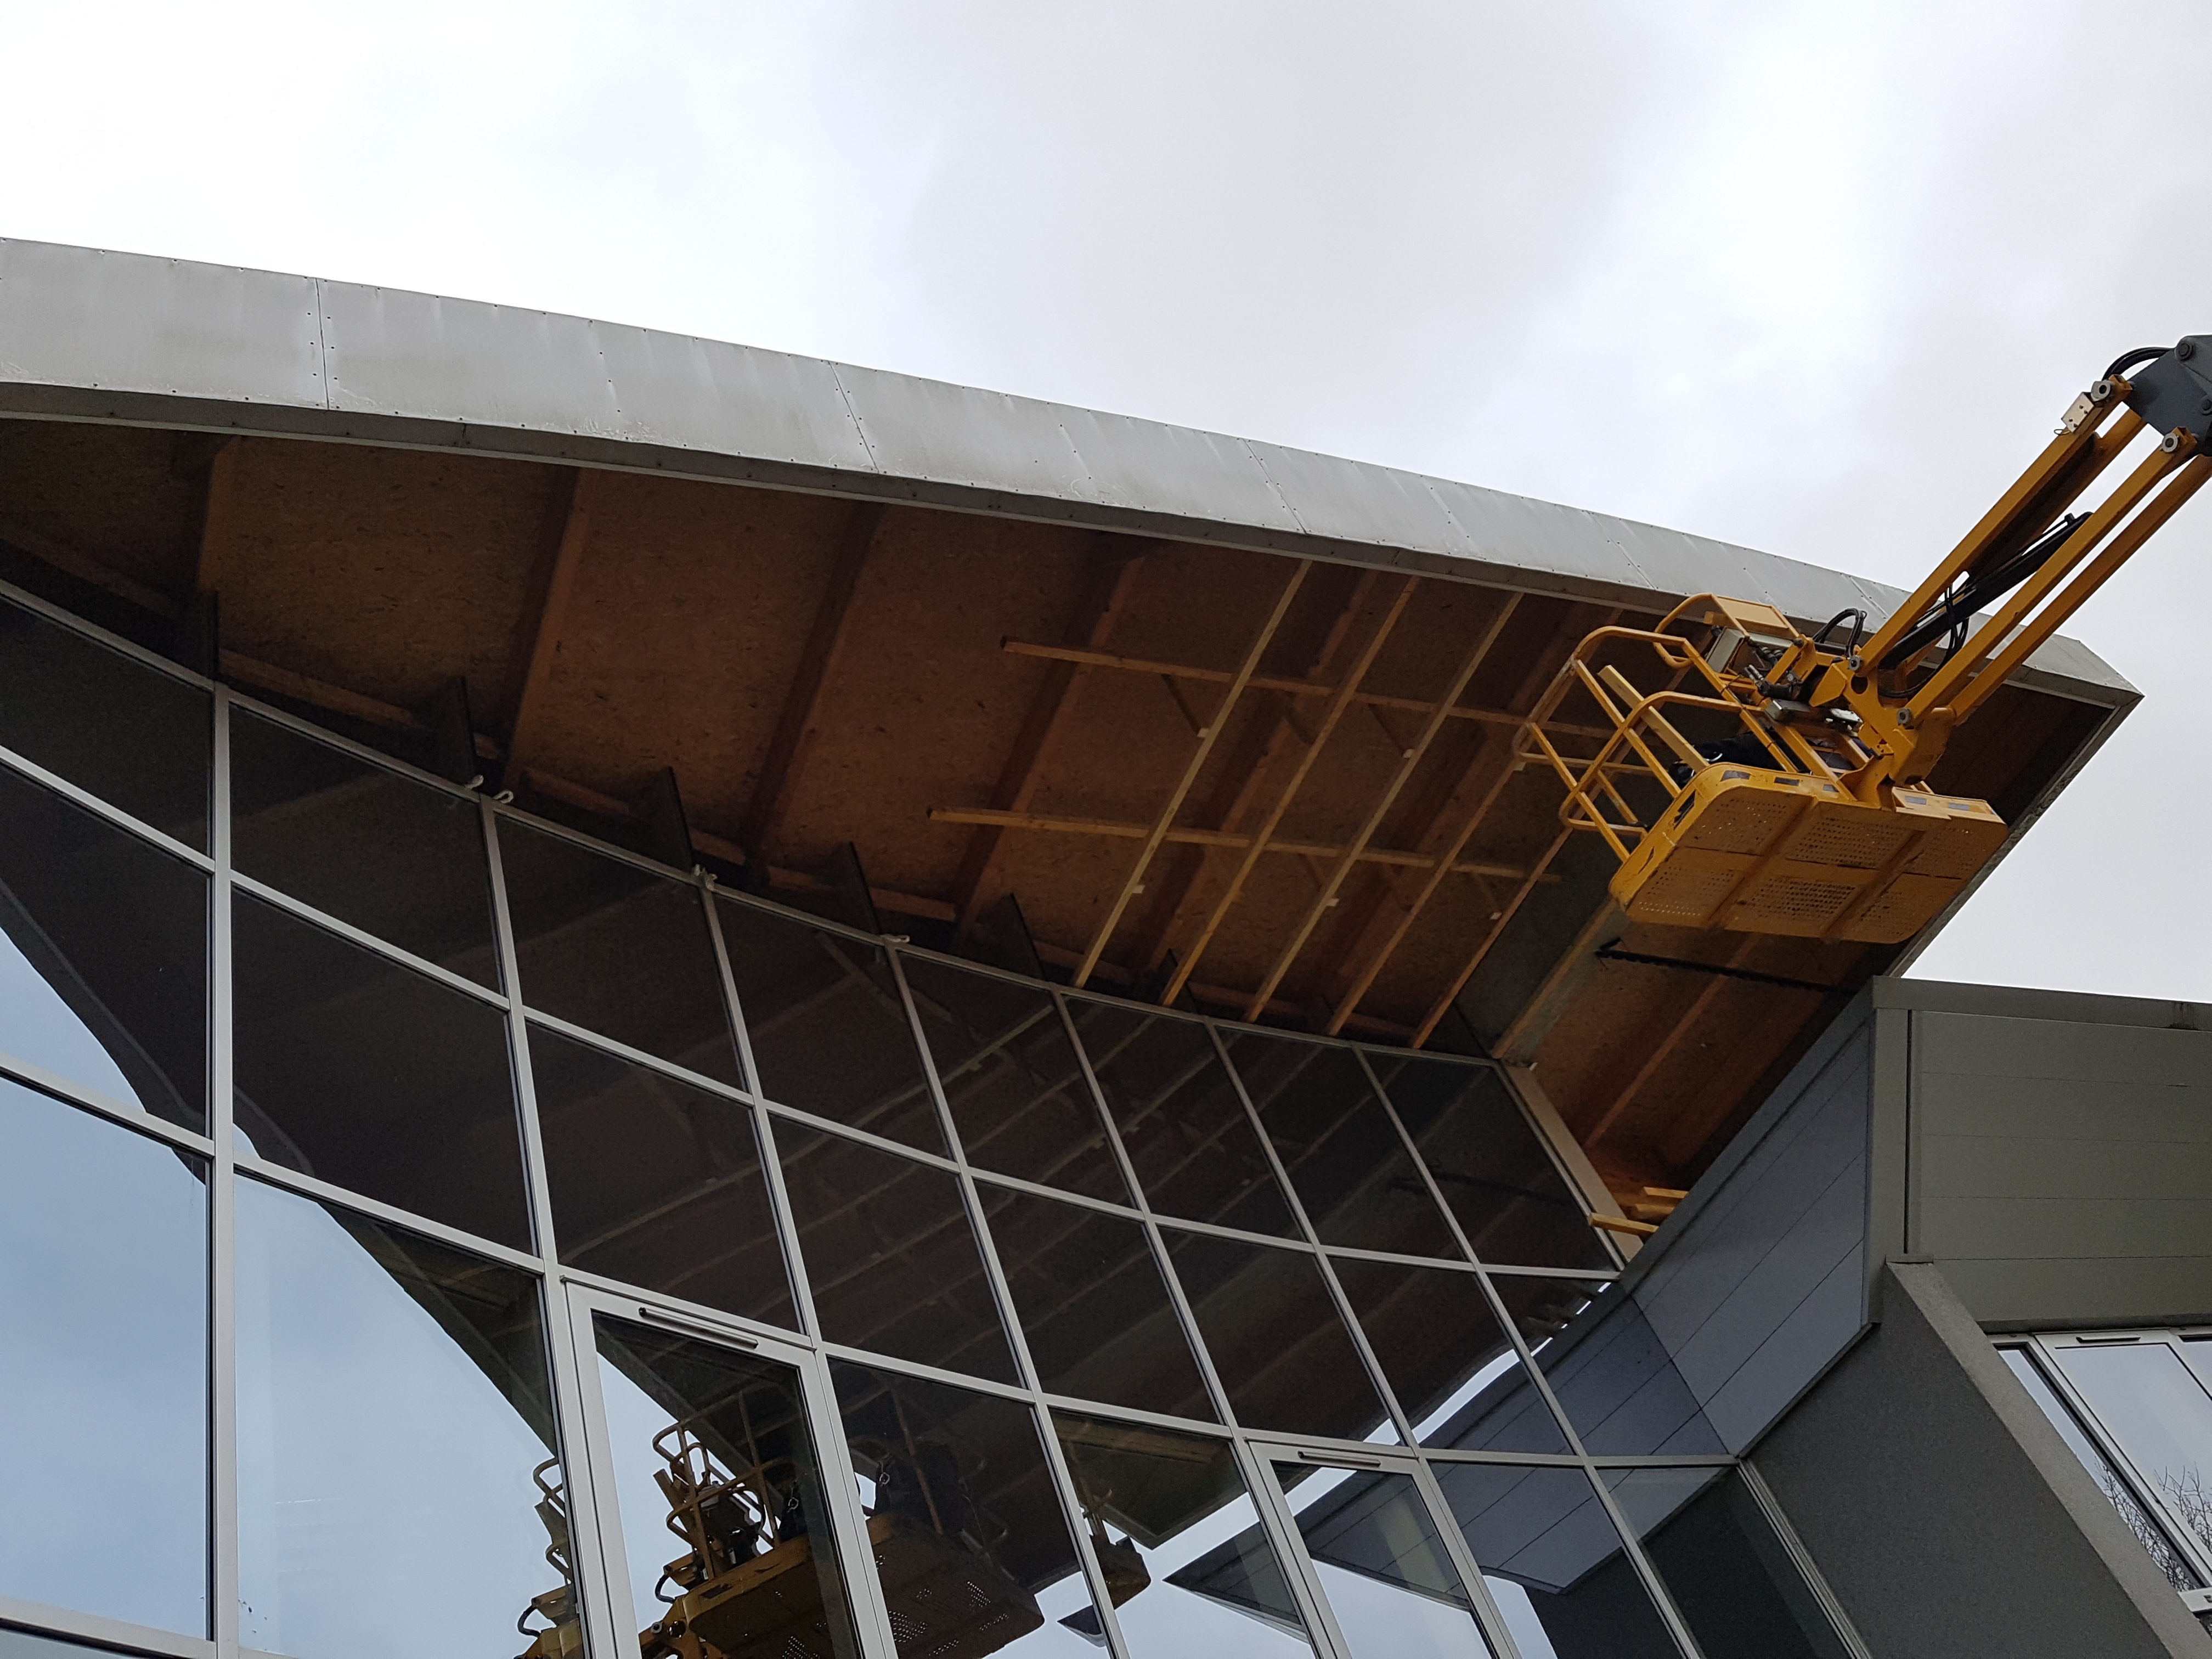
[[590, 1176]]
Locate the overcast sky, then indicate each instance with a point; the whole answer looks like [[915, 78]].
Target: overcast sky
[[1819, 278]]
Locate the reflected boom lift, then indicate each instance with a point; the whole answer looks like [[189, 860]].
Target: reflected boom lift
[[1779, 783]]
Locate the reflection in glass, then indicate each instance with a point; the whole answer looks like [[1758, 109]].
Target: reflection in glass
[[971, 1545], [828, 1030], [1454, 1370], [103, 956], [1510, 1199], [1280, 1349], [1090, 1296], [716, 1467], [103, 1368], [890, 1256], [1191, 1572], [1718, 1556], [616, 949], [367, 845], [1553, 1563], [369, 1075], [2158, 1410], [2138, 1520], [1012, 1080], [1181, 1121], [656, 1182], [397, 1489], [127, 733], [1381, 1563], [1343, 1154], [1613, 1376]]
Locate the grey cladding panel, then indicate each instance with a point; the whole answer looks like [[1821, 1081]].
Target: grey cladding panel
[[1983, 1045], [959, 434], [391, 352], [1353, 501], [122, 322], [1149, 467], [729, 399], [2062, 1229], [2017, 1295], [2029, 1166]]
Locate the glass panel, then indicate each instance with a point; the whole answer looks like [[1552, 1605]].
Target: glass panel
[[130, 735], [716, 1467], [391, 856], [1553, 1564], [1509, 1196], [1383, 1566], [1449, 1361], [890, 1256], [2158, 1410], [1280, 1349], [103, 964], [616, 949], [828, 1030], [369, 1075], [1168, 1512], [656, 1182], [1352, 1172], [1016, 1088], [971, 1544], [397, 1486], [1181, 1121], [1090, 1295], [1714, 1550], [103, 1368], [2148, 1533], [1613, 1376]]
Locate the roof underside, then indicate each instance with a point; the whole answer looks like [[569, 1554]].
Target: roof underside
[[989, 647]]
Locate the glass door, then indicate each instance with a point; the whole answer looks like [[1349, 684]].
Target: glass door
[[718, 1530], [1389, 1585]]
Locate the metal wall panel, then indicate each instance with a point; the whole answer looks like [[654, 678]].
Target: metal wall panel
[[1355, 501], [959, 434], [691, 393]]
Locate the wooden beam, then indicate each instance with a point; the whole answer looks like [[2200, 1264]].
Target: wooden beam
[[1504, 765], [1234, 840], [1440, 711], [1133, 882], [1296, 688], [1263, 837], [1666, 1045], [1442, 1005], [218, 512], [791, 744], [1117, 561], [530, 665]]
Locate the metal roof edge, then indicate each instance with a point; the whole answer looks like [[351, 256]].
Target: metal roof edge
[[102, 336]]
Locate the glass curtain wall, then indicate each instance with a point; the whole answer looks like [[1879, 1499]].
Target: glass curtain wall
[[960, 1314]]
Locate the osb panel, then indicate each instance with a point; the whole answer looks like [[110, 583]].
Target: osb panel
[[385, 571], [128, 497]]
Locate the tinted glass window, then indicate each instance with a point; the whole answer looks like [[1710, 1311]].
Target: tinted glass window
[[1553, 1563], [1722, 1563], [355, 1070], [133, 736], [2158, 1410], [890, 1256], [397, 1489], [616, 949], [103, 1367], [716, 1467], [656, 1182], [1455, 1371], [103, 956], [828, 1030], [1509, 1196], [391, 856], [1181, 1118], [1383, 1565], [1280, 1349], [1192, 1571], [1011, 1075], [1090, 1296], [973, 1550], [1352, 1170]]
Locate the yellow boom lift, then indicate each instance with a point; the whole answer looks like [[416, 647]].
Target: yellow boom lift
[[1770, 783]]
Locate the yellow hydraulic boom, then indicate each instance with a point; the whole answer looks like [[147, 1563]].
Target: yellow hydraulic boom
[[1774, 783]]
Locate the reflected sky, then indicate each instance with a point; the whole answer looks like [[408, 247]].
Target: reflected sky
[[103, 1368], [37, 1025]]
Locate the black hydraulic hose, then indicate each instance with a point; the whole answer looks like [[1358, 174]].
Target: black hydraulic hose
[[1858, 629], [1955, 610], [2127, 360]]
